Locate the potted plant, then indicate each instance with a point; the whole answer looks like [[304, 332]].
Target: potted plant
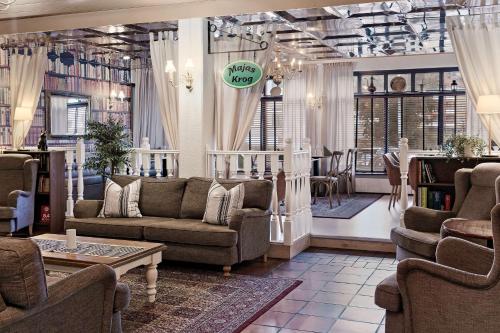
[[463, 146], [112, 146]]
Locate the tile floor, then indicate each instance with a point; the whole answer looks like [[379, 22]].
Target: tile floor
[[336, 295]]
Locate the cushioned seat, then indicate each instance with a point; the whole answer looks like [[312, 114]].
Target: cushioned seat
[[7, 213], [387, 294], [189, 231], [421, 243], [131, 228]]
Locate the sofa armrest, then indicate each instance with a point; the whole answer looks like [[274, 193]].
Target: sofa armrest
[[464, 255], [253, 227], [87, 208], [16, 197], [425, 219]]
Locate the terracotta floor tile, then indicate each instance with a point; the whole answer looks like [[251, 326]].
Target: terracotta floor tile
[[301, 294], [332, 298], [288, 305], [340, 287], [350, 278], [311, 284], [357, 271], [274, 318], [322, 309], [367, 290], [364, 302], [347, 326], [326, 268], [287, 330], [310, 323], [260, 329], [381, 329], [373, 316]]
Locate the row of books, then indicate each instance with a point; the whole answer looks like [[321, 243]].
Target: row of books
[[4, 116], [4, 95], [439, 200], [85, 87], [105, 104], [4, 77], [4, 57], [105, 115], [426, 174], [5, 136], [43, 184]]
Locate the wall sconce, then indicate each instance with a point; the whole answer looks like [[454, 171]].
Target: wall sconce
[[187, 79], [314, 102]]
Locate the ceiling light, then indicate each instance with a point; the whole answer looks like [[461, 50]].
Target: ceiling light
[[272, 15], [126, 57]]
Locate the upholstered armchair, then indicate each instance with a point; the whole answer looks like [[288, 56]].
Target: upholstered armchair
[[87, 301], [17, 192], [476, 192], [460, 293]]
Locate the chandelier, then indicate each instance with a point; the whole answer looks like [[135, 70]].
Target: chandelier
[[280, 71]]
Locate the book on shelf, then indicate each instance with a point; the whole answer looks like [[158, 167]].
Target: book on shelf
[[44, 214], [426, 174], [43, 184], [439, 200]]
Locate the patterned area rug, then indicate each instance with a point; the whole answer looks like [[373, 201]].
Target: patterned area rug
[[348, 208], [197, 301]]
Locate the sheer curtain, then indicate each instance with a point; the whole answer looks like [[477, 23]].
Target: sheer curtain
[[236, 108], [163, 49], [476, 41], [338, 116], [26, 80], [294, 108], [314, 110], [147, 120]]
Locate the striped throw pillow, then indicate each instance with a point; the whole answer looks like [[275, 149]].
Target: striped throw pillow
[[121, 202], [222, 203]]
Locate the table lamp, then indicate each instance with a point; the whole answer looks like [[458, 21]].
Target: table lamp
[[489, 105], [23, 114]]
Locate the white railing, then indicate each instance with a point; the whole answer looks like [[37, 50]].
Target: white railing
[[293, 166], [403, 168]]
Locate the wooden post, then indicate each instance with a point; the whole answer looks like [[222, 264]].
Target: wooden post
[[69, 166], [403, 167], [289, 200], [80, 160]]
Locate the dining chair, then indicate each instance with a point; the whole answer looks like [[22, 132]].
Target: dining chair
[[394, 176], [330, 180], [347, 172]]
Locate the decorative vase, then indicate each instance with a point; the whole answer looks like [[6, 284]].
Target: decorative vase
[[468, 151]]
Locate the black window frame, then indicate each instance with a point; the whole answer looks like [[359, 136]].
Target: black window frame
[[413, 92]]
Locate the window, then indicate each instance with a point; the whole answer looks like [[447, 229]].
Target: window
[[266, 132], [427, 112], [77, 115]]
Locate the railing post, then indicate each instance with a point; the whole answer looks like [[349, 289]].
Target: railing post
[[289, 197], [146, 156], [233, 166], [247, 165], [261, 165], [307, 188], [137, 162], [276, 221], [403, 168], [69, 168], [80, 160], [158, 166]]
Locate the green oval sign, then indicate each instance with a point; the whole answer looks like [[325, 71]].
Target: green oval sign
[[242, 74]]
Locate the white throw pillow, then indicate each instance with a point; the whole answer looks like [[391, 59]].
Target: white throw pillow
[[222, 203], [121, 202]]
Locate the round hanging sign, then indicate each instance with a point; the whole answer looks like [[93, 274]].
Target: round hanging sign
[[242, 74]]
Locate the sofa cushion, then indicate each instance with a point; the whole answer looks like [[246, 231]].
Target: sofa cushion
[[222, 203], [421, 243], [7, 213], [22, 274], [131, 228], [162, 198], [387, 294], [190, 231], [121, 201], [258, 194]]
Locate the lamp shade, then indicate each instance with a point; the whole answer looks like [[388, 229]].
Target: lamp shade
[[23, 113], [488, 104], [170, 67]]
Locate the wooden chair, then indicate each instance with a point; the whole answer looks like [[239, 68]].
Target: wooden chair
[[347, 172], [331, 180], [394, 175]]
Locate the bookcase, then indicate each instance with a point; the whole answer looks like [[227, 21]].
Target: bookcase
[[432, 179], [50, 200]]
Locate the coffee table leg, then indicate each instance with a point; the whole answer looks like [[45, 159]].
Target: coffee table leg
[[151, 277]]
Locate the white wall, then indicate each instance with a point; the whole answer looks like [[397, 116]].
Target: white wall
[[406, 62]]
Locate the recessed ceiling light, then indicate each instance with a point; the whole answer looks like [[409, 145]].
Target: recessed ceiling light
[[126, 57]]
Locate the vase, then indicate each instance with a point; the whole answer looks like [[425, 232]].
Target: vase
[[468, 151]]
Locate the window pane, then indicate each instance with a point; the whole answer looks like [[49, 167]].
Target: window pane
[[449, 115], [364, 134], [431, 116], [448, 78], [406, 77], [378, 82], [413, 122], [378, 134], [355, 82], [393, 123], [427, 81]]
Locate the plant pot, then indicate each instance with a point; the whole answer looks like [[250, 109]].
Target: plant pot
[[468, 151]]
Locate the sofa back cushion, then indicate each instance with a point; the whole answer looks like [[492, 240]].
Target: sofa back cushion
[[160, 197], [481, 196], [22, 274], [258, 194]]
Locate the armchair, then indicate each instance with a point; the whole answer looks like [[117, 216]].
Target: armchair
[[476, 192], [459, 293], [17, 194], [87, 301]]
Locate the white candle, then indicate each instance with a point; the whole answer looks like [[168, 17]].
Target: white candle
[[71, 238]]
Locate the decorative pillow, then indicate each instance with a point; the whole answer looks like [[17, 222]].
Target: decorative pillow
[[222, 203], [121, 201]]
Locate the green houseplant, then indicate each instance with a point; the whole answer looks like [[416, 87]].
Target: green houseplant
[[463, 146], [112, 146]]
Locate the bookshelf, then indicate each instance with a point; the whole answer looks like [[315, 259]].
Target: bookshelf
[[432, 179], [50, 195]]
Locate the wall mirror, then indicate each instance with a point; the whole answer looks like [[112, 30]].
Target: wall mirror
[[67, 114]]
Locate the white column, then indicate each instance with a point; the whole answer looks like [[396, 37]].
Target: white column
[[80, 160], [195, 107], [289, 196], [403, 168], [69, 168]]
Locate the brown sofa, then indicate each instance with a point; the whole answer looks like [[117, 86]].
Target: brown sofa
[[172, 212], [17, 192], [476, 192], [87, 301], [460, 293]]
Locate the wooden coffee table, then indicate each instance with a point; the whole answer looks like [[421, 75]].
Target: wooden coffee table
[[469, 228], [124, 256]]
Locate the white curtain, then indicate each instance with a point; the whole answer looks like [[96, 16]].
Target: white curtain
[[294, 108], [476, 41], [315, 97], [235, 108], [338, 115], [163, 49], [26, 80], [147, 121]]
